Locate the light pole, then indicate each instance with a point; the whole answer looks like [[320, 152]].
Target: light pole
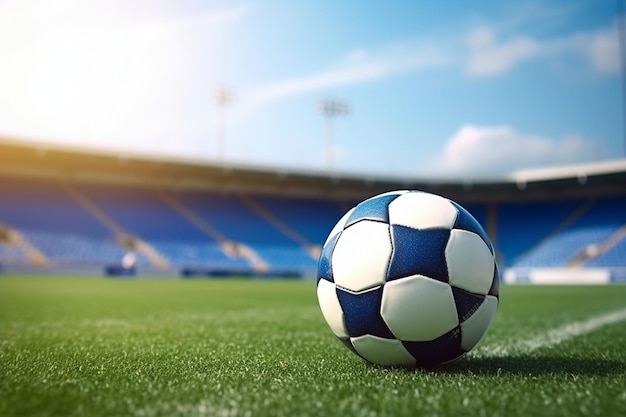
[[222, 97], [331, 108]]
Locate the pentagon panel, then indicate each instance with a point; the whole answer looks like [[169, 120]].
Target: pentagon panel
[[495, 284], [331, 309], [444, 349], [385, 352], [466, 303], [418, 252], [421, 210], [470, 262], [324, 266], [474, 328], [418, 308], [361, 313], [374, 209], [361, 256], [465, 221]]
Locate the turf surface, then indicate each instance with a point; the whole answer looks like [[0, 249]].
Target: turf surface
[[97, 347]]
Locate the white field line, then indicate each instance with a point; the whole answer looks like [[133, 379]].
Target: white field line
[[554, 336]]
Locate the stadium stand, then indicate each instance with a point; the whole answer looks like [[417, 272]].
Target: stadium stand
[[67, 208], [590, 226], [145, 215], [522, 226], [45, 206], [309, 218], [47, 217], [237, 219], [614, 256], [12, 254]]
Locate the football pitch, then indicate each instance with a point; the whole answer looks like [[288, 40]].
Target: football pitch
[[162, 347]]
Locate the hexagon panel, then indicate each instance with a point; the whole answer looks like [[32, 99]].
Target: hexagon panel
[[361, 256], [474, 328], [418, 308], [470, 262], [331, 309], [422, 211], [339, 226], [386, 352]]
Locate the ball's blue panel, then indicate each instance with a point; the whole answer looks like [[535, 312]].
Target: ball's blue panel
[[466, 303], [465, 221], [495, 284], [362, 313], [324, 265], [444, 349], [418, 252], [349, 345], [373, 209]]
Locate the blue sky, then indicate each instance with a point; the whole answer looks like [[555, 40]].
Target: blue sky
[[434, 88]]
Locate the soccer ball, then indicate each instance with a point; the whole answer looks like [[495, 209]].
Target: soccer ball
[[408, 278]]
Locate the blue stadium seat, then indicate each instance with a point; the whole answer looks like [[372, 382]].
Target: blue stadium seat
[[592, 227], [520, 227], [45, 206], [287, 258], [615, 256], [70, 248], [143, 213], [50, 219], [228, 214], [310, 218], [531, 234], [11, 254], [198, 254], [240, 223]]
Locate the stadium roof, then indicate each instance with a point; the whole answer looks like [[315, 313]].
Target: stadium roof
[[62, 163]]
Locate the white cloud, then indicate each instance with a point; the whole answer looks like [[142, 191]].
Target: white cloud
[[357, 66], [488, 54], [601, 48], [490, 149], [483, 53]]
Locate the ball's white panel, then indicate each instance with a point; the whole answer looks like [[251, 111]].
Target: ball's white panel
[[418, 309], [361, 256], [331, 309], [470, 262], [474, 328], [339, 226], [422, 211], [386, 352]]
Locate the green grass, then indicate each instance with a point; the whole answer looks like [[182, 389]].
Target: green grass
[[97, 347]]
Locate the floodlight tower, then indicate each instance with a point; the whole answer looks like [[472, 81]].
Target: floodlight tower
[[222, 97], [331, 108]]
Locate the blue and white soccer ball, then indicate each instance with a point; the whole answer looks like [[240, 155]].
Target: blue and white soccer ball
[[408, 278]]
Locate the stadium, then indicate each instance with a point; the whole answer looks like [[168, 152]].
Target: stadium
[[66, 211], [250, 237], [242, 209]]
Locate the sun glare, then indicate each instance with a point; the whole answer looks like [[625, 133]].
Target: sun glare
[[78, 76]]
